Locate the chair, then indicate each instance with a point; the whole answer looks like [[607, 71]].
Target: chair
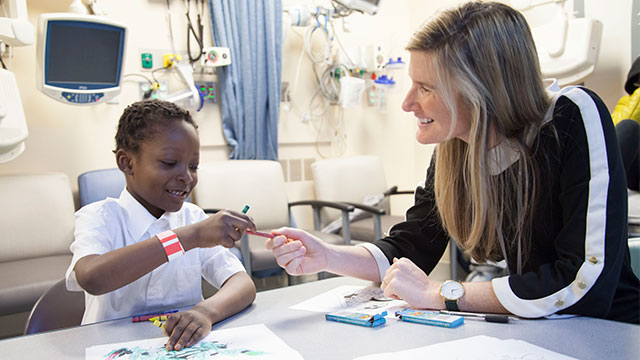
[[99, 184], [351, 180], [37, 229], [260, 184], [57, 308]]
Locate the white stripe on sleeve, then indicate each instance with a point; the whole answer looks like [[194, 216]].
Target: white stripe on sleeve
[[596, 220]]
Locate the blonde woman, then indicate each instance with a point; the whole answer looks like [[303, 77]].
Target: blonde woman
[[523, 171]]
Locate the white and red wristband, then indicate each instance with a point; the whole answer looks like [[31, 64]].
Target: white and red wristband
[[171, 244]]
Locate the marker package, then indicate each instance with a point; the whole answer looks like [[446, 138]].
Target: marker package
[[430, 318], [356, 318]]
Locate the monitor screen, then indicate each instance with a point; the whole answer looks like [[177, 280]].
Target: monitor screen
[[80, 57], [82, 52], [83, 55]]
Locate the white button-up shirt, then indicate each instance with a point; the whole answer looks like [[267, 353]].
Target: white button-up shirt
[[114, 223]]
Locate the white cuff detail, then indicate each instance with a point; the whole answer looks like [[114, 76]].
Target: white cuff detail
[[378, 255]]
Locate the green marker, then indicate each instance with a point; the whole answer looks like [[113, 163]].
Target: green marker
[[246, 208]]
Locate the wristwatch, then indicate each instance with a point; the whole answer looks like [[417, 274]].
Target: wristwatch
[[451, 291]]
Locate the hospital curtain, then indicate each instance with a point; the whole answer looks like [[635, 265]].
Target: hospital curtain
[[250, 86]]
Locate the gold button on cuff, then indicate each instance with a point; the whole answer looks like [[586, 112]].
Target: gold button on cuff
[[559, 303], [582, 284], [593, 260]]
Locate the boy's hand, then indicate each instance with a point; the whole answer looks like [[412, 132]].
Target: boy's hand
[[223, 228], [186, 328]]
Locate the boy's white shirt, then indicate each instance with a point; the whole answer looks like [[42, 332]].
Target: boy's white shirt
[[114, 223]]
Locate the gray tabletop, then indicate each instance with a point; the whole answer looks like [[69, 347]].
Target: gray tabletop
[[315, 338]]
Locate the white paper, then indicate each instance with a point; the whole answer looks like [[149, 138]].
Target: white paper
[[368, 300], [247, 342], [474, 348]]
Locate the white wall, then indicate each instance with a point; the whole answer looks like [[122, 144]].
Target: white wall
[[75, 139]]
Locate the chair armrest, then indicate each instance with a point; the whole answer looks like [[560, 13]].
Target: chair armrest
[[320, 204], [394, 191], [370, 209], [403, 192], [317, 205], [211, 211]]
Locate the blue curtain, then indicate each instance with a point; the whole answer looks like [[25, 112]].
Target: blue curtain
[[250, 86]]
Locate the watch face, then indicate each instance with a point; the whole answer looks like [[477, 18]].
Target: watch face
[[452, 290]]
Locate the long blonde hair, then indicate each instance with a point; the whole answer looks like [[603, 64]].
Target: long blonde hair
[[484, 55]]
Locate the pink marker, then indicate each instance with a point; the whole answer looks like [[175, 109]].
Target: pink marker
[[259, 233]]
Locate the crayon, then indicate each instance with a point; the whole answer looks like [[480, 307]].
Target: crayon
[[259, 233], [145, 317], [159, 324], [246, 208]]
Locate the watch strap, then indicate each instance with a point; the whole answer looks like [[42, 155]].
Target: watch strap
[[451, 305]]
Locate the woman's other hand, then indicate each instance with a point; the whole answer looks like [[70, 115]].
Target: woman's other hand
[[405, 280]]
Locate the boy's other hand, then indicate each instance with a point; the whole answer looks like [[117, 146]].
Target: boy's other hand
[[224, 228], [186, 328]]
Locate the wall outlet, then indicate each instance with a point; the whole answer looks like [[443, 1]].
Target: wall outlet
[[375, 57]]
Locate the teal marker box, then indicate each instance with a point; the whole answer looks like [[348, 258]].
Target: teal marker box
[[356, 318], [434, 318]]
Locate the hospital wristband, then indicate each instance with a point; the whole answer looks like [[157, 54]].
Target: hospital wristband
[[171, 244]]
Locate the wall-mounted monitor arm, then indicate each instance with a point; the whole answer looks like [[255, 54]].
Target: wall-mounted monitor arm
[[13, 126], [190, 94], [15, 29]]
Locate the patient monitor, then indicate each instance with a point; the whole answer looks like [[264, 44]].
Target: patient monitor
[[80, 57]]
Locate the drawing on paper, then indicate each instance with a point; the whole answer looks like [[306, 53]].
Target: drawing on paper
[[203, 350], [369, 298], [364, 299], [246, 342]]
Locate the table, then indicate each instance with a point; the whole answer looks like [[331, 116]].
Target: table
[[315, 338]]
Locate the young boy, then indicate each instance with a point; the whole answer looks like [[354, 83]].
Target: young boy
[[147, 250]]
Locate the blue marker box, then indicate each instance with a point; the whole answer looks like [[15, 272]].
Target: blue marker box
[[430, 318], [356, 318]]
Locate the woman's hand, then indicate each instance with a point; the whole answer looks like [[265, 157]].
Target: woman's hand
[[186, 328], [405, 280], [223, 228], [297, 251]]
